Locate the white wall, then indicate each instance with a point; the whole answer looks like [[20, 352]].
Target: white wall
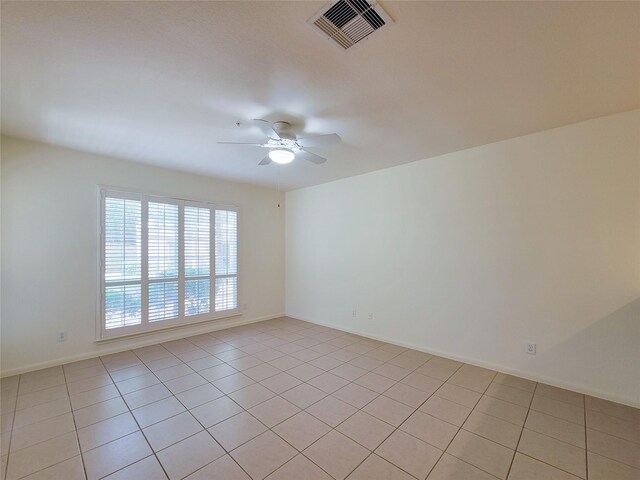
[[50, 249], [474, 253]]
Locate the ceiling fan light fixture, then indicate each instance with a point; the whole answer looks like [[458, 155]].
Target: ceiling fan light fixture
[[281, 155]]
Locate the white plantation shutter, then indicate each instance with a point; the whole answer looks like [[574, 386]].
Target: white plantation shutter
[[163, 261], [197, 260], [157, 256], [122, 262], [226, 260]]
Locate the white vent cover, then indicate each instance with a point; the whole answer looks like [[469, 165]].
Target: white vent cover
[[346, 22]]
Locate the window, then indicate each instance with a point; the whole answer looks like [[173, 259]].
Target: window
[[165, 262]]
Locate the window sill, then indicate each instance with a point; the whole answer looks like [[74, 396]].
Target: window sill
[[144, 333]]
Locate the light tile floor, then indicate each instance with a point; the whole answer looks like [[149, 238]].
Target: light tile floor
[[285, 399]]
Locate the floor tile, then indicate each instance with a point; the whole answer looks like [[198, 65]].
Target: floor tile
[[459, 395], [365, 429], [556, 427], [41, 396], [331, 411], [602, 468], [261, 372], [451, 468], [509, 394], [128, 373], [606, 445], [527, 468], [613, 409], [392, 371], [28, 416], [274, 411], [409, 453], [388, 410], [516, 382], [251, 396], [189, 455], [493, 428], [482, 453], [375, 382], [106, 431], [237, 430], [281, 382], [39, 432], [473, 378], [285, 363], [301, 430], [115, 455], [446, 410], [216, 373], [555, 408], [216, 411], [172, 430], [336, 454], [560, 394], [439, 368], [204, 363], [355, 395], [408, 395], [42, 455], [263, 455], [148, 469], [143, 397], [559, 454], [199, 395], [328, 382], [612, 425], [70, 469], [349, 372], [422, 382], [233, 382], [98, 412], [224, 468], [430, 429], [374, 468], [94, 396], [303, 395], [181, 384], [158, 411], [510, 412], [299, 467]]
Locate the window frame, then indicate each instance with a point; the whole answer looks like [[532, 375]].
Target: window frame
[[102, 333]]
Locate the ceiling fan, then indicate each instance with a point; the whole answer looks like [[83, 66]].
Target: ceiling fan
[[284, 145]]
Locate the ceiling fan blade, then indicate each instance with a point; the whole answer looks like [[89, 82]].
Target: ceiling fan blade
[[310, 157], [319, 140], [266, 127], [242, 143], [265, 161]]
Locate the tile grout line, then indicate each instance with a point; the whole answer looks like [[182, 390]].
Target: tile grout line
[[137, 423], [522, 431], [75, 427], [13, 419]]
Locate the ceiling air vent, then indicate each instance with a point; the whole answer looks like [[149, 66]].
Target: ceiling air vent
[[346, 22]]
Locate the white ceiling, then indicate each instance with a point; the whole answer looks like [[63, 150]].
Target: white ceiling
[[161, 82]]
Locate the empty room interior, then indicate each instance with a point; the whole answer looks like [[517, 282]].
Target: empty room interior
[[313, 240]]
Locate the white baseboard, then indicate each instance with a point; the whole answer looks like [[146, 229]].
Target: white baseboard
[[144, 341], [479, 363]]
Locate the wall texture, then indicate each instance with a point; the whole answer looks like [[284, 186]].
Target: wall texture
[[474, 253], [50, 249]]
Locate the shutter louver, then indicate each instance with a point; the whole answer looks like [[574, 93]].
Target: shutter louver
[[197, 260], [163, 261], [122, 262], [226, 260]]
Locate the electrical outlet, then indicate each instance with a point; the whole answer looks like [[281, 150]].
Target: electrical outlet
[[530, 348], [62, 336], [353, 312], [371, 316]]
